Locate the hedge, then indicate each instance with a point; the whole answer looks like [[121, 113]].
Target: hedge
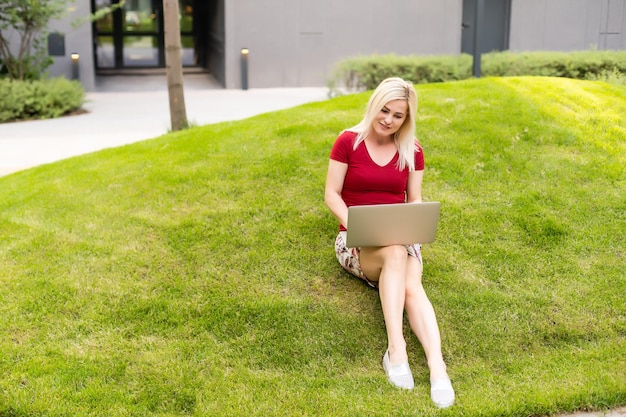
[[366, 72], [43, 99]]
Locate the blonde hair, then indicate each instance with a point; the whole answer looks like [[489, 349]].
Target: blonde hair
[[393, 88]]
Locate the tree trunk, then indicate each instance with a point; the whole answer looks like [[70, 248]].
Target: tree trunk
[[174, 65]]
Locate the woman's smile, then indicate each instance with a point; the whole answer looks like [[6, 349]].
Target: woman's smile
[[390, 118]]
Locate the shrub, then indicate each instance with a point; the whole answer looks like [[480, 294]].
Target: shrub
[[44, 99], [613, 76], [366, 72], [577, 65], [362, 72]]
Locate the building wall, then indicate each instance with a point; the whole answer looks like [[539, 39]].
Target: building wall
[[567, 25], [297, 42], [78, 39]]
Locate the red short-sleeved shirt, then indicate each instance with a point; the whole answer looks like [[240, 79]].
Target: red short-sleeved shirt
[[366, 182]]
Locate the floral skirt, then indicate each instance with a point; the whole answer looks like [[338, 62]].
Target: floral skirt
[[349, 257]]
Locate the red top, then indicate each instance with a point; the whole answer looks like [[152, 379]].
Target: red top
[[366, 182]]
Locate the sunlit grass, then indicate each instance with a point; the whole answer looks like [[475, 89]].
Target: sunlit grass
[[194, 274]]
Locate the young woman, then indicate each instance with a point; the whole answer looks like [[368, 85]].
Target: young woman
[[379, 161]]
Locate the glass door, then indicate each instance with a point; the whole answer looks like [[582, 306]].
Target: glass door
[[104, 40], [142, 33], [187, 33], [132, 36]]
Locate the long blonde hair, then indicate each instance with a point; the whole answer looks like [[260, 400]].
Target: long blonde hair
[[393, 88]]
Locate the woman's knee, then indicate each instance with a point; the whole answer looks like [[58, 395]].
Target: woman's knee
[[394, 253], [382, 256], [390, 258]]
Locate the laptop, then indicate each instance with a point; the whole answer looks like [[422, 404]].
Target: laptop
[[392, 224]]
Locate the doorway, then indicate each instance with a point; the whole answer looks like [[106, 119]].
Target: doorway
[[495, 28], [133, 37]]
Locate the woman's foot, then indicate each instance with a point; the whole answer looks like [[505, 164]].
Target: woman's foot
[[399, 375], [441, 392]]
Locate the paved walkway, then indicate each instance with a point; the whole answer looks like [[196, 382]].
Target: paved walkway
[[618, 412], [134, 108]]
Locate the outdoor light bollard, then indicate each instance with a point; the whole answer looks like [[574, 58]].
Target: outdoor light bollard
[[75, 70], [244, 68]]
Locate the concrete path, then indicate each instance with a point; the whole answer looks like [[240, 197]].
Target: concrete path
[[134, 108], [618, 412]]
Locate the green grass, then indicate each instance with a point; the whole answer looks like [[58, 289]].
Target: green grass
[[194, 274]]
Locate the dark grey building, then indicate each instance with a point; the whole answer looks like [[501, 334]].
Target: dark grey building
[[297, 42]]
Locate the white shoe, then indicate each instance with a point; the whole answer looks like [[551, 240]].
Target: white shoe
[[398, 375], [441, 392]]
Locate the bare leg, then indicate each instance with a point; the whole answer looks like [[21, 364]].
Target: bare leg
[[388, 266], [400, 287], [423, 320]]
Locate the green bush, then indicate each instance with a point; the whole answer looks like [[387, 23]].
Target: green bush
[[44, 99], [576, 65], [366, 72], [613, 76]]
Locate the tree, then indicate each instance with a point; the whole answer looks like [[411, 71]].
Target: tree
[[28, 20], [174, 65]]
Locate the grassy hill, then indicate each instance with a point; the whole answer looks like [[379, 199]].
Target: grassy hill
[[194, 274]]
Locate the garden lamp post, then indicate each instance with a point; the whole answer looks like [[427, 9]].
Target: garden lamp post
[[478, 18]]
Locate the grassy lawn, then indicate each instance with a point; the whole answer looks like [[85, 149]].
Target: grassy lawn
[[194, 274]]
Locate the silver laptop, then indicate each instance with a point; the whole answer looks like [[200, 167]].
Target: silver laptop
[[392, 224]]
